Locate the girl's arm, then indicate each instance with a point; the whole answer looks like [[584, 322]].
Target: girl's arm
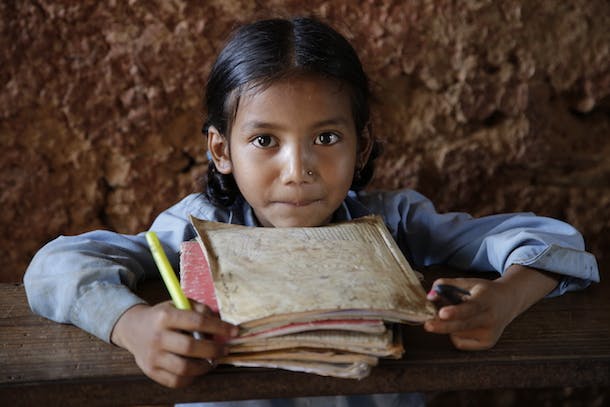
[[534, 256], [87, 280], [490, 243]]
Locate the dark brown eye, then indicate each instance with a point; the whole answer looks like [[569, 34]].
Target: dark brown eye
[[264, 141], [327, 138]]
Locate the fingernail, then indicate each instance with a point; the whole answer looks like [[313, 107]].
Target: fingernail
[[234, 331], [431, 294]]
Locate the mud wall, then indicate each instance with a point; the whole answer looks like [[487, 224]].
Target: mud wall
[[484, 106]]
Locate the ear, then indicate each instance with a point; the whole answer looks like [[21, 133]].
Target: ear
[[365, 146], [218, 146]]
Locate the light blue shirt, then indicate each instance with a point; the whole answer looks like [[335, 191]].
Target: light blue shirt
[[87, 280]]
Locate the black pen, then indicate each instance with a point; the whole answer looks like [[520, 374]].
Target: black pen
[[447, 294]]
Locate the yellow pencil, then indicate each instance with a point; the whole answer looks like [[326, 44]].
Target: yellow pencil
[[168, 275]]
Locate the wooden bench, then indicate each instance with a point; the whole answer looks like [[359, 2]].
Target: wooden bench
[[559, 342]]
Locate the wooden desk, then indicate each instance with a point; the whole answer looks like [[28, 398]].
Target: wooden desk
[[559, 342]]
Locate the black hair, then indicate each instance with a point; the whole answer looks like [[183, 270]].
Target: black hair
[[262, 52]]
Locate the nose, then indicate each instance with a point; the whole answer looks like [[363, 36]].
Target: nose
[[297, 165]]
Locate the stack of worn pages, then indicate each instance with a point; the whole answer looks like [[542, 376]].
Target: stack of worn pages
[[322, 300]]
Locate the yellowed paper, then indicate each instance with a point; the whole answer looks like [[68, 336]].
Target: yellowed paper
[[265, 274]]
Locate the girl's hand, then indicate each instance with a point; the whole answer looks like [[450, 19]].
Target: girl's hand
[[479, 321], [161, 340]]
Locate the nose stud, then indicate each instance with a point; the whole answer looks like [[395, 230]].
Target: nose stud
[[309, 172]]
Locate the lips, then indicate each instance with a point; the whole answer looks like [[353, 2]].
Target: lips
[[298, 204]]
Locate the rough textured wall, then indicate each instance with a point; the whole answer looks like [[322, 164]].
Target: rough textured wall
[[484, 106]]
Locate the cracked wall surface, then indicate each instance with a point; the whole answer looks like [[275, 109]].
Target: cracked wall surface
[[484, 106]]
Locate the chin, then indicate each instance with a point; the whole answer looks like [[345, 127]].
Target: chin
[[286, 216], [285, 223], [298, 222]]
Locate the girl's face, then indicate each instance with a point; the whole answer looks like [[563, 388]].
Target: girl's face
[[293, 150]]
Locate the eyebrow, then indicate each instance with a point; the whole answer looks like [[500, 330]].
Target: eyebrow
[[257, 124]]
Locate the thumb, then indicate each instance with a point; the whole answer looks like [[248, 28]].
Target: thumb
[[202, 308]]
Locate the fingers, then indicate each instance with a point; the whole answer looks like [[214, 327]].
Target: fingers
[[464, 283], [183, 366], [186, 345], [476, 323], [217, 326], [176, 357], [161, 340], [176, 372], [170, 369], [469, 327], [469, 314], [455, 318], [199, 320]]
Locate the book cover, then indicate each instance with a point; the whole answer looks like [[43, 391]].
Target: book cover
[[267, 276]]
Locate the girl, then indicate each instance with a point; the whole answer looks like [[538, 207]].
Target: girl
[[291, 145]]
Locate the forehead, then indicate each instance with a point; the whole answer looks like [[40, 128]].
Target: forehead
[[302, 98]]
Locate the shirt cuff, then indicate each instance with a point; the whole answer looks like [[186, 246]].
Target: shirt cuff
[[578, 267], [99, 307]]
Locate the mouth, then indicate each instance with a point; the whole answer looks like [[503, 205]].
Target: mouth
[[299, 203]]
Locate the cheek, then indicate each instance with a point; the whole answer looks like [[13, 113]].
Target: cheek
[[341, 167], [253, 178]]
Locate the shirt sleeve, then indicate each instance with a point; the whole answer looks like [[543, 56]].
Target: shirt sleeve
[[490, 243], [87, 280]]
